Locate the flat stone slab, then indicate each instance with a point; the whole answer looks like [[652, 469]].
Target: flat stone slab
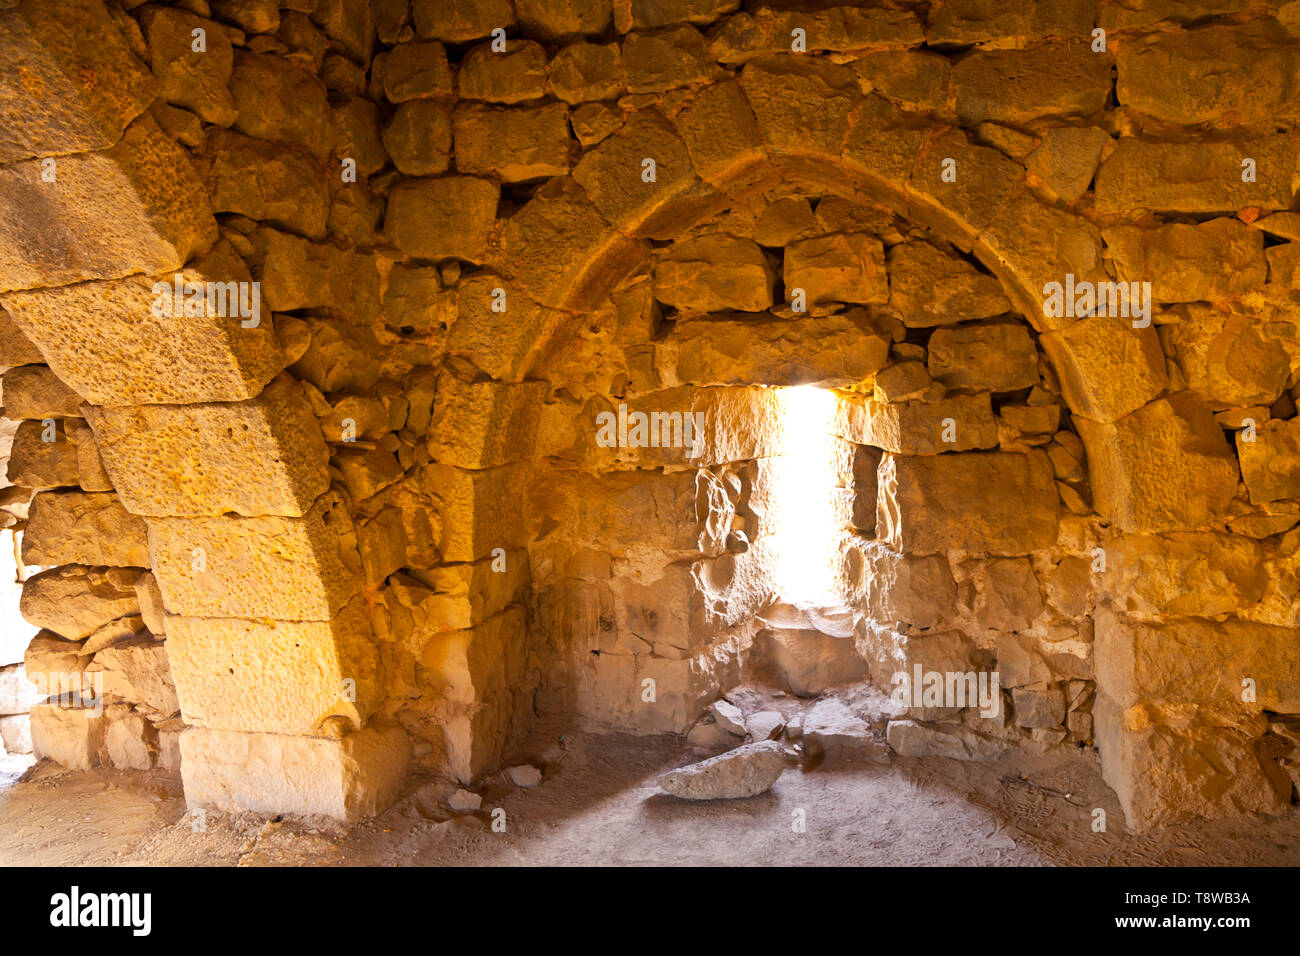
[[744, 772]]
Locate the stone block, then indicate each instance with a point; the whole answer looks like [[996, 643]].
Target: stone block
[[928, 286], [275, 466], [72, 737], [515, 144], [998, 357], [957, 423], [348, 779], [1164, 467], [295, 569], [179, 358], [73, 527], [145, 186], [284, 677], [1000, 502], [714, 273], [442, 218], [51, 48], [75, 601], [34, 392], [484, 424], [837, 268]]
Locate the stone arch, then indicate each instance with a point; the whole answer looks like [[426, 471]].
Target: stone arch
[[1161, 462], [297, 577]]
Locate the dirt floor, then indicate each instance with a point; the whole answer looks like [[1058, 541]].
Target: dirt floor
[[598, 805]]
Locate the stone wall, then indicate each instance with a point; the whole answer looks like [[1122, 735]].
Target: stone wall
[[377, 518]]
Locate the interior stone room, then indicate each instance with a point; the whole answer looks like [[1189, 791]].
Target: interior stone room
[[709, 407]]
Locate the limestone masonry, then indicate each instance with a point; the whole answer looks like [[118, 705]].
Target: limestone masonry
[[383, 377]]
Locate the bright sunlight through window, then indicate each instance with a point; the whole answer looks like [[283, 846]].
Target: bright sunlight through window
[[806, 529]]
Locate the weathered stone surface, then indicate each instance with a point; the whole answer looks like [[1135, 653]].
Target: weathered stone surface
[[348, 779], [416, 70], [466, 595], [54, 666], [190, 78], [1038, 706], [809, 662], [1008, 597], [515, 144], [713, 273], [657, 62], [1207, 261], [738, 424], [73, 527], [266, 181], [1014, 86], [1203, 574], [174, 358], [1197, 177], [1196, 661], [1164, 467], [720, 132], [17, 692], [298, 274], [999, 357], [34, 392], [1000, 502], [136, 207], [618, 180], [975, 21], [72, 737], [484, 424], [1271, 463], [1067, 159], [913, 77], [473, 673], [1232, 356], [499, 343], [837, 268], [15, 347], [957, 423], [1240, 74], [442, 218], [35, 462], [1106, 367], [838, 736], [842, 28], [930, 287], [127, 743], [278, 101], [307, 673], [277, 466], [462, 21], [75, 601], [831, 351], [480, 509], [911, 738], [553, 20], [16, 733], [747, 771], [71, 82], [582, 72], [295, 569], [896, 589], [802, 104], [515, 76], [1165, 776], [417, 137], [137, 670]]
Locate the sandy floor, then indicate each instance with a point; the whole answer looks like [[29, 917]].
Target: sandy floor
[[599, 805]]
